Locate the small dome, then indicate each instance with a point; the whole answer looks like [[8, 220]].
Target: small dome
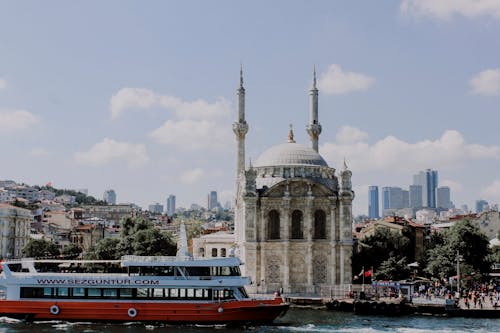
[[289, 153]]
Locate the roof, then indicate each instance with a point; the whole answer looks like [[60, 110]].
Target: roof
[[290, 153]]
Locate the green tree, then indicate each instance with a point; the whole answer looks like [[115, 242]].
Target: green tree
[[105, 249], [152, 242], [72, 251], [378, 248], [393, 269], [40, 248], [467, 240]]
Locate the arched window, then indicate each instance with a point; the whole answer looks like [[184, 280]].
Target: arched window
[[297, 230], [319, 224], [201, 252], [273, 225], [214, 252], [223, 252]]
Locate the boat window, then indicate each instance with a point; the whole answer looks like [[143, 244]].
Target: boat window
[[63, 292], [109, 293], [198, 271], [199, 293], [79, 292], [47, 292], [190, 293], [142, 293], [126, 292], [174, 293], [158, 292], [28, 292], [243, 292], [94, 292], [182, 293]]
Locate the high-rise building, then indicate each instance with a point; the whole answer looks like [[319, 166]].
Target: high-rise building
[[428, 179], [394, 198], [443, 197], [156, 208], [171, 205], [212, 200], [373, 202], [109, 197], [481, 206], [415, 196]]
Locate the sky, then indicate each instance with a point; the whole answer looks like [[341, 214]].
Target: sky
[[139, 96]]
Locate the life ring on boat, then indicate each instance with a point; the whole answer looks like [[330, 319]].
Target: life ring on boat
[[54, 309], [132, 312], [220, 309]]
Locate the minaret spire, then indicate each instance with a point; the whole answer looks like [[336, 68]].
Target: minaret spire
[[314, 128], [240, 128]]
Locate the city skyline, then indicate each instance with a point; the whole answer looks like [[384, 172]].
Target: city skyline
[[143, 99]]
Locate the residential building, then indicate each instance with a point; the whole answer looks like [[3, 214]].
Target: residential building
[[218, 244], [110, 197], [156, 208], [15, 224], [373, 202]]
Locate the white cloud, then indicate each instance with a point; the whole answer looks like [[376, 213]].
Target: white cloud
[[445, 9], [492, 191], [109, 150], [486, 82], [336, 81], [392, 153], [192, 176], [140, 98], [3, 83], [453, 185], [39, 152], [349, 134], [16, 120], [193, 135]]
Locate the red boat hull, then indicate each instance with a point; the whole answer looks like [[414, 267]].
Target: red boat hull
[[246, 311]]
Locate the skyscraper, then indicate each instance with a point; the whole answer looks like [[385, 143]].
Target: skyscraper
[[481, 206], [443, 197], [109, 197], [428, 179], [212, 200], [394, 198], [373, 202], [156, 208], [171, 205], [415, 196]]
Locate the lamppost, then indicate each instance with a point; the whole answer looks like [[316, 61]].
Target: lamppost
[[459, 258]]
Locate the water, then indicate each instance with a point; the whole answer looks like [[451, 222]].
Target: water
[[296, 320]]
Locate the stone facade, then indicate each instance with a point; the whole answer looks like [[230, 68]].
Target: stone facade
[[15, 226], [293, 217]]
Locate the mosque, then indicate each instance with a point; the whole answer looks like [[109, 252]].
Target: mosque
[[293, 213]]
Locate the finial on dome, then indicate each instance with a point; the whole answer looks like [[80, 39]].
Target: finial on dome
[[290, 135]]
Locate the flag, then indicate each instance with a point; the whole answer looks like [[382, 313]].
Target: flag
[[368, 273]]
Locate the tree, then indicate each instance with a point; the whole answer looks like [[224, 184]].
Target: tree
[[138, 237], [105, 249], [467, 240], [72, 251], [378, 248], [393, 269], [40, 248], [152, 242]]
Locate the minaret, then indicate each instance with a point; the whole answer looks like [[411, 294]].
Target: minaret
[[314, 128], [240, 128]]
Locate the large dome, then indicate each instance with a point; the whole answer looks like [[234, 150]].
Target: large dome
[[289, 153]]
